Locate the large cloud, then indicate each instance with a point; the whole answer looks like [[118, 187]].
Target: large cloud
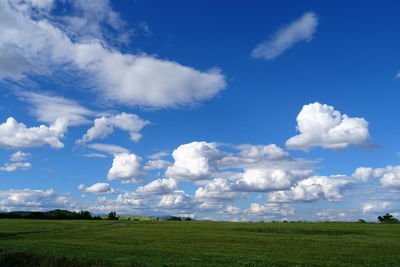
[[126, 168], [299, 30], [133, 80], [322, 125], [104, 126], [195, 161], [14, 135]]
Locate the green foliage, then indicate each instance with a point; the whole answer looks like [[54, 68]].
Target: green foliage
[[200, 243], [50, 215], [112, 216], [387, 218], [174, 218]]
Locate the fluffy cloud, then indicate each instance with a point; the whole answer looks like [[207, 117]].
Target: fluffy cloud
[[41, 41], [104, 126], [299, 30], [159, 187], [217, 193], [126, 168], [321, 125], [313, 189], [269, 179], [14, 135], [389, 176], [177, 200], [50, 108], [16, 164], [195, 161], [98, 188], [28, 199]]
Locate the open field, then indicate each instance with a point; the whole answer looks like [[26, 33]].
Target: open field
[[171, 243]]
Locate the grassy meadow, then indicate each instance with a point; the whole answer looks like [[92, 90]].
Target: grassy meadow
[[196, 243]]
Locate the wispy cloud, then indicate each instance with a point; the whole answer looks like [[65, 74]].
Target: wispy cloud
[[301, 29]]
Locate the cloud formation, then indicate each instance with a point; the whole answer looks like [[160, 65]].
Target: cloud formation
[[39, 41], [313, 189], [48, 109], [11, 167], [14, 135], [195, 161], [19, 156], [98, 188], [388, 176], [301, 29], [322, 125], [33, 200], [104, 126], [126, 168]]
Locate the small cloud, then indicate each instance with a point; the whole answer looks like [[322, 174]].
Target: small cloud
[[98, 188], [19, 156], [94, 155], [299, 30], [11, 167], [158, 155]]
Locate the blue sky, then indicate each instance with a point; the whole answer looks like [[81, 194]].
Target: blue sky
[[216, 110]]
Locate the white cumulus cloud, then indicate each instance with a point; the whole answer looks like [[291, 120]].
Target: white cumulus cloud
[[14, 135], [194, 161], [301, 29], [322, 125], [126, 168], [313, 189]]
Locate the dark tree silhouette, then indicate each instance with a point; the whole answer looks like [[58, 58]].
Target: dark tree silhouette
[[112, 215], [388, 218]]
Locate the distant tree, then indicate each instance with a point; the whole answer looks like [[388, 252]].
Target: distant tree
[[174, 218], [361, 221], [112, 215], [387, 218], [188, 219], [85, 215]]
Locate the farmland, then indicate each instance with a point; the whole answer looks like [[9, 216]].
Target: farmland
[[199, 243]]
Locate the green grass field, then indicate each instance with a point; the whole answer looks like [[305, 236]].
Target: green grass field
[[195, 243]]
